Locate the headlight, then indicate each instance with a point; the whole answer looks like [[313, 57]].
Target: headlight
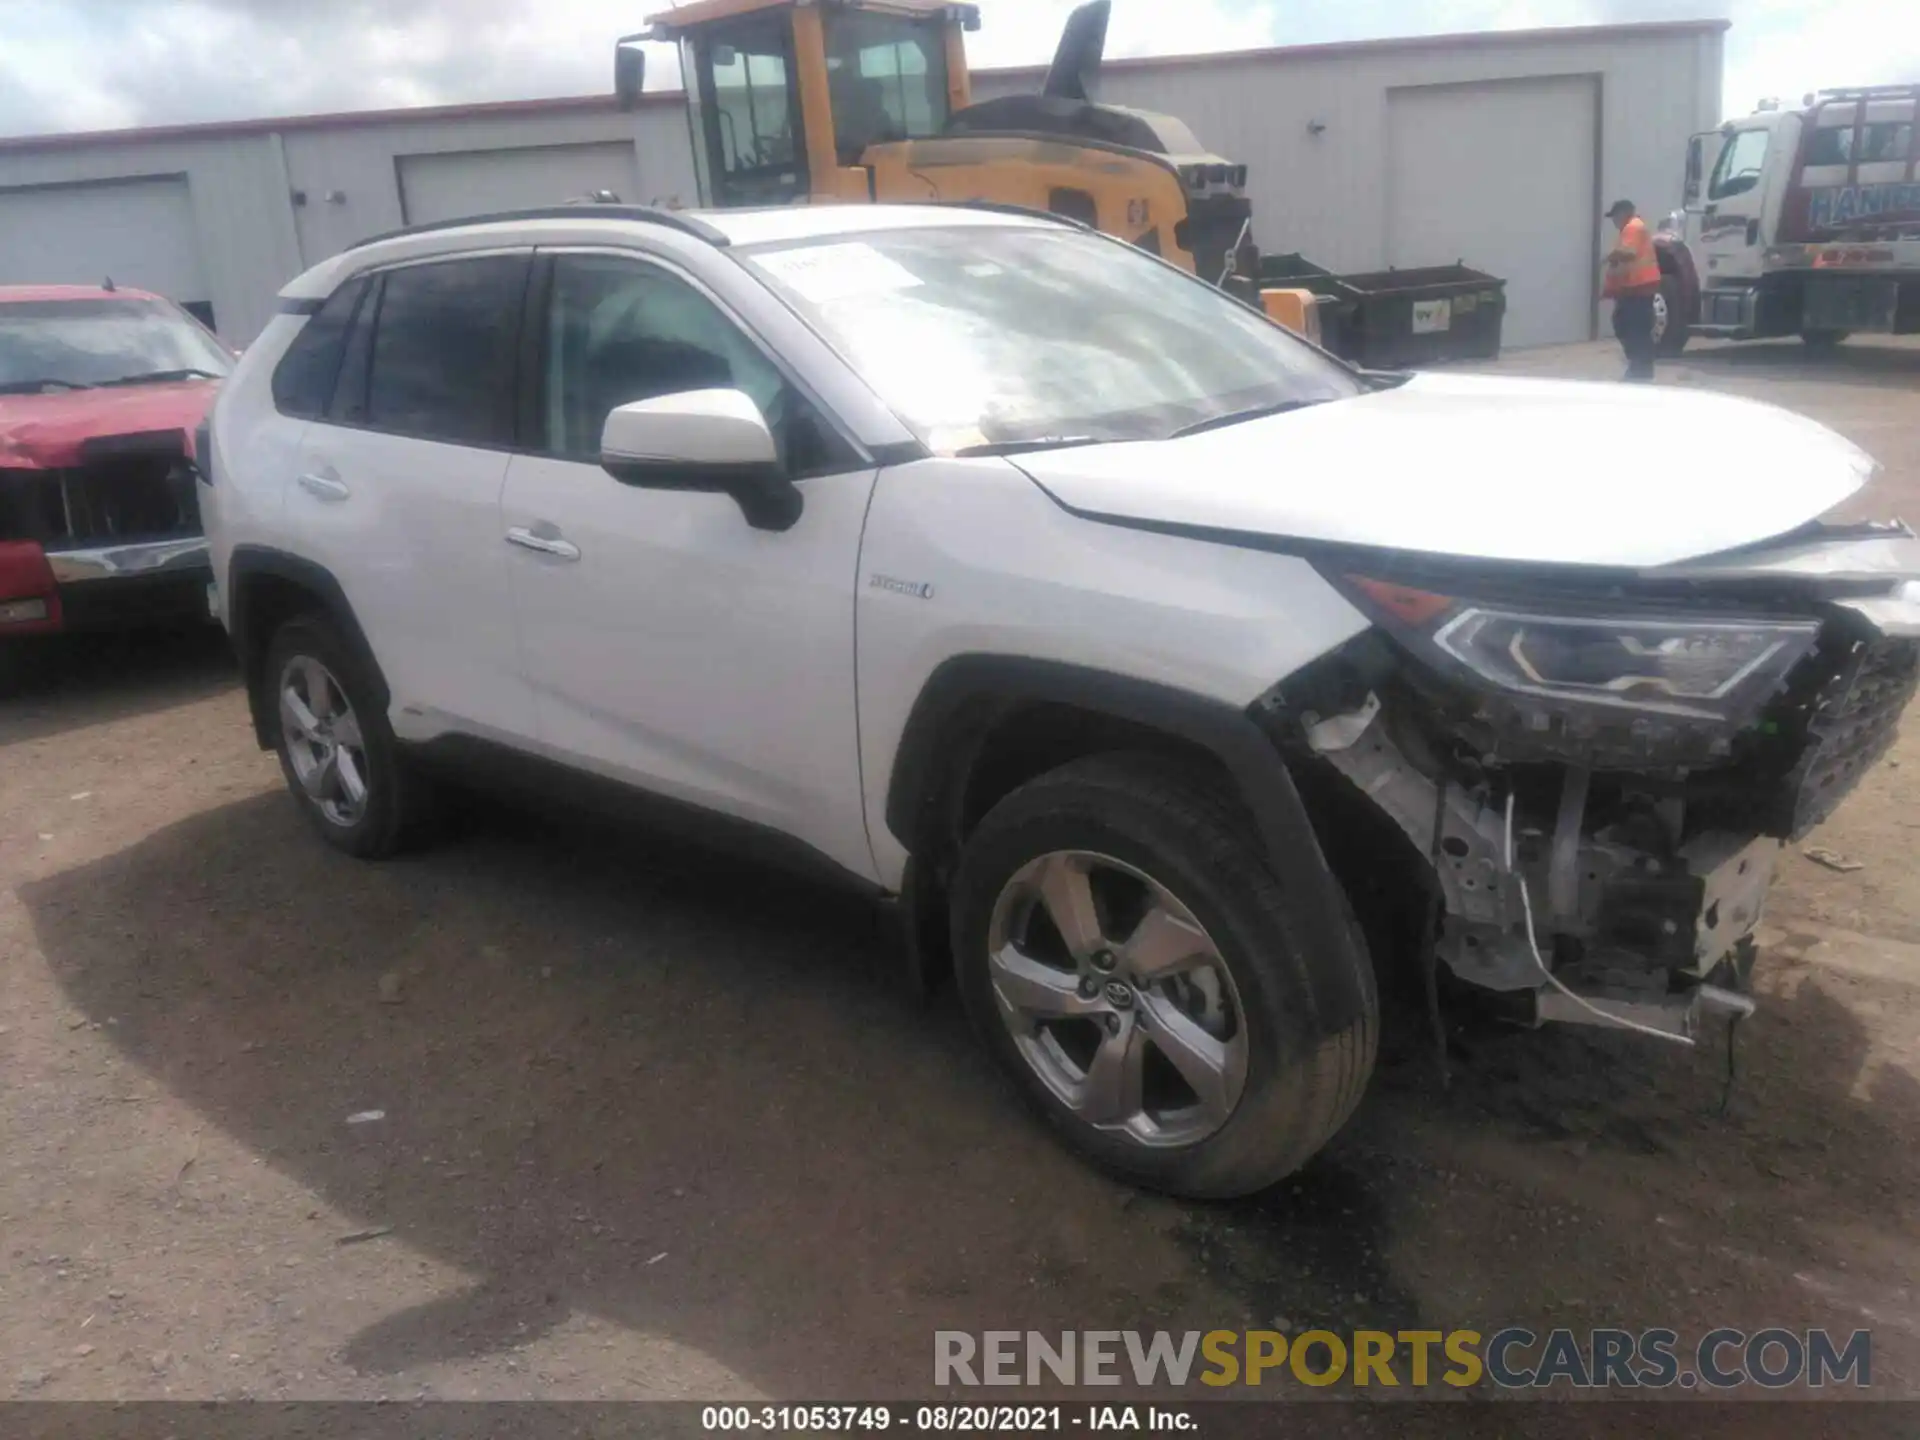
[[1679, 667], [1716, 669]]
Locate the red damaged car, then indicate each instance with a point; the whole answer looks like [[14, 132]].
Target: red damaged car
[[100, 393]]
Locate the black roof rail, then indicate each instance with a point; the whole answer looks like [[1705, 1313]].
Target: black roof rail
[[644, 214], [1007, 207]]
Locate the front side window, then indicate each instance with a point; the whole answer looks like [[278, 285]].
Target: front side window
[[746, 108], [620, 330], [441, 362], [1740, 165], [80, 344], [887, 77], [990, 335]]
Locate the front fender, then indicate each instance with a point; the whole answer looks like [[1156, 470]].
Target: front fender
[[936, 743]]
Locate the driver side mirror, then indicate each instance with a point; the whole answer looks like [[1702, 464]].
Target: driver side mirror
[[1703, 158], [711, 441], [629, 70]]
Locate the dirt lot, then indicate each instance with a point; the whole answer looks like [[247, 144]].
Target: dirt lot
[[652, 1129]]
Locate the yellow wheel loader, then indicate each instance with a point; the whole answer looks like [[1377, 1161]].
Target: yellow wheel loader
[[871, 100]]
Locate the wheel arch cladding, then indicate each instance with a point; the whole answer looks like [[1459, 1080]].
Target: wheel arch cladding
[[269, 587], [932, 775]]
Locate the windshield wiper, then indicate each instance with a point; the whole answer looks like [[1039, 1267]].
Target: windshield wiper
[[1235, 417], [156, 377], [29, 387], [1023, 447]]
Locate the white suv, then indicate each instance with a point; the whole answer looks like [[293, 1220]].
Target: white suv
[[1124, 642]]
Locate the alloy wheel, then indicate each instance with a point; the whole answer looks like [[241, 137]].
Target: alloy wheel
[[1659, 316], [323, 741], [1117, 998]]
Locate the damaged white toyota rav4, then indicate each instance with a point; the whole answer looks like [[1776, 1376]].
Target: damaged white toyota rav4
[[1126, 644]]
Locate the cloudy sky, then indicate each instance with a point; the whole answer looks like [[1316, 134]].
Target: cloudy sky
[[97, 64]]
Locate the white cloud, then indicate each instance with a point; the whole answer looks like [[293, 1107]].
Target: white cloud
[[1784, 48], [89, 64]]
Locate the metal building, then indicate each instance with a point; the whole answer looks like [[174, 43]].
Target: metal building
[[1499, 149]]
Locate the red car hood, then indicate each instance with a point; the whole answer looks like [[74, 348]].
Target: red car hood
[[45, 432]]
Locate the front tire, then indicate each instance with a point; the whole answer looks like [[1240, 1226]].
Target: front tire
[[338, 754], [13, 668], [1131, 962], [1670, 328], [1823, 342]]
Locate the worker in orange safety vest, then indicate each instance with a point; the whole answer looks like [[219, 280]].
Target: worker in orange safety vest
[[1632, 280]]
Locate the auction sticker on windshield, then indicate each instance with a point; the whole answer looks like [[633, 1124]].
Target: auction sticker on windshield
[[822, 274]]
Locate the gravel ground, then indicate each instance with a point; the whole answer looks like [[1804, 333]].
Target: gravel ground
[[653, 1125]]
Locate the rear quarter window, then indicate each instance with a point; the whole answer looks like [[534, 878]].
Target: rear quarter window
[[303, 380]]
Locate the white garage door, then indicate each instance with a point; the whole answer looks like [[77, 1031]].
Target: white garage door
[[1502, 176], [482, 182], [139, 232]]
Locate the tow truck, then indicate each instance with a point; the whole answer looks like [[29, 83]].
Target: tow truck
[[1798, 222]]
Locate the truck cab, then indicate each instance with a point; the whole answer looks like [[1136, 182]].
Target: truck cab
[[1799, 222], [851, 101], [784, 100]]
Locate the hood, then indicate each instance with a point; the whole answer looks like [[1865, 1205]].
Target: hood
[[45, 432], [1484, 467]]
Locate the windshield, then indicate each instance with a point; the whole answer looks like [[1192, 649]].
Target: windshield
[[65, 344], [987, 335]]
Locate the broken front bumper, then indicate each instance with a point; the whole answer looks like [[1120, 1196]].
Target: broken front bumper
[[185, 557], [154, 582], [1608, 893], [111, 542]]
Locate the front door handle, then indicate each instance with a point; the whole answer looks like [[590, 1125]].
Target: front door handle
[[546, 544], [330, 488]]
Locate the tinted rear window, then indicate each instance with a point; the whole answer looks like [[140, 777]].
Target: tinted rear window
[[303, 380], [442, 365]]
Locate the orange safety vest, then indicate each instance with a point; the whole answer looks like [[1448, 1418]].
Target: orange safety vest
[[1641, 274]]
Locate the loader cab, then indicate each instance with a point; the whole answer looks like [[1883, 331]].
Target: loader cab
[[783, 99]]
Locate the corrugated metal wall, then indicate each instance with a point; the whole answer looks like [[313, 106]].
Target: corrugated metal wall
[[360, 165], [245, 228], [1324, 193]]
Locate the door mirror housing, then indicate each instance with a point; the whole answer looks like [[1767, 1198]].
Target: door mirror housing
[[712, 441], [629, 70], [1696, 170]]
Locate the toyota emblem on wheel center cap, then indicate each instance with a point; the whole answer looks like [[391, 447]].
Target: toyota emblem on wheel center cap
[[1119, 996]]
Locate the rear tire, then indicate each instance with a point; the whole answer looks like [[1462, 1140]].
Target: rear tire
[[338, 754], [1823, 342], [1138, 826]]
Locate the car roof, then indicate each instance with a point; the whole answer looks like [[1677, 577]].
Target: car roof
[[813, 222], [573, 224], [16, 294]]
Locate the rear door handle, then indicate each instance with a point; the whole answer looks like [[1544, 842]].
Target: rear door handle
[[546, 544], [330, 488]]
